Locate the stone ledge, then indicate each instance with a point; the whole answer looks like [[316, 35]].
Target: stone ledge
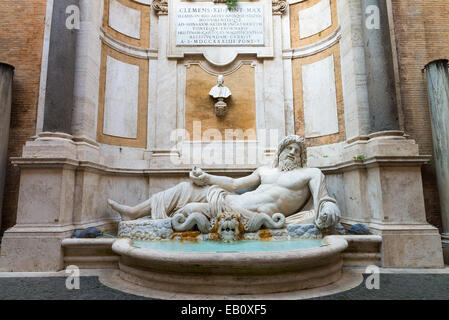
[[90, 253]]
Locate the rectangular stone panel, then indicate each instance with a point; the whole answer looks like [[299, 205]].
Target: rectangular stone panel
[[128, 21], [121, 99], [312, 21], [320, 99], [124, 19], [315, 19]]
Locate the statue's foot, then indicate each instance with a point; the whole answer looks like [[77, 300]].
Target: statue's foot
[[124, 211]]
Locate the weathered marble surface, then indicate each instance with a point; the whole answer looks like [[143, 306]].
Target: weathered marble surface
[[307, 231], [146, 229]]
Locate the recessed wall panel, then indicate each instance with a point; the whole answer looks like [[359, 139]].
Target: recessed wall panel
[[200, 110], [315, 19], [312, 21], [320, 100], [318, 97], [121, 99], [128, 22], [124, 19]]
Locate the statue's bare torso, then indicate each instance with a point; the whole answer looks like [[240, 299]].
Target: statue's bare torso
[[279, 191]]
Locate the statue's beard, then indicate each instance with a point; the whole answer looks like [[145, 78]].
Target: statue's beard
[[288, 165]]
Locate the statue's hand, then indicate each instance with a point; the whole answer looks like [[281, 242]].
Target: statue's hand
[[199, 177], [328, 216]]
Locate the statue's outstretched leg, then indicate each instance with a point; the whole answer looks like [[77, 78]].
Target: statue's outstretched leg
[[131, 213], [163, 204]]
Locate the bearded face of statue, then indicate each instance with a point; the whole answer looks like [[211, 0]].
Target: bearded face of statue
[[290, 157]]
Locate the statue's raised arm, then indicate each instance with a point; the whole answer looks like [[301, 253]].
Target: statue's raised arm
[[201, 178]]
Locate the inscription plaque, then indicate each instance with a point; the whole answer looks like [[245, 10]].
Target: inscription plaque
[[209, 24]]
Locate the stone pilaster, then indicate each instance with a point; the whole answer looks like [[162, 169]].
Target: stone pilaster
[[379, 184], [166, 101], [274, 83]]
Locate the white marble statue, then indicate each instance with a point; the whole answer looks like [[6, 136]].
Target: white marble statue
[[220, 92], [285, 188]]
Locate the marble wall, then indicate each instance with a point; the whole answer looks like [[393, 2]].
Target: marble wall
[[317, 77], [123, 83], [304, 43]]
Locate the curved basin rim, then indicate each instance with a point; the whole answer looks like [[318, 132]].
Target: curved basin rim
[[332, 245]]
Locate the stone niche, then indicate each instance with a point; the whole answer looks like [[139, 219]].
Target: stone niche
[[241, 105], [141, 75]]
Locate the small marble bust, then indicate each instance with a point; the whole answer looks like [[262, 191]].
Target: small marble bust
[[220, 92]]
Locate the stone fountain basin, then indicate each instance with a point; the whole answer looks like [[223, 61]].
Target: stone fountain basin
[[232, 273]]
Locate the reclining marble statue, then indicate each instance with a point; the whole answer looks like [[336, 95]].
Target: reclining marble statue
[[287, 193]]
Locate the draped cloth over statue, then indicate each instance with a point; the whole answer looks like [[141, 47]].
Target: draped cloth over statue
[[168, 202], [177, 200]]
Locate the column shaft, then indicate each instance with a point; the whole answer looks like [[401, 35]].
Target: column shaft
[[379, 67], [61, 71], [6, 78], [438, 87]]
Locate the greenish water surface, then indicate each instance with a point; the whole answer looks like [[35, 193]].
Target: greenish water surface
[[238, 246]]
